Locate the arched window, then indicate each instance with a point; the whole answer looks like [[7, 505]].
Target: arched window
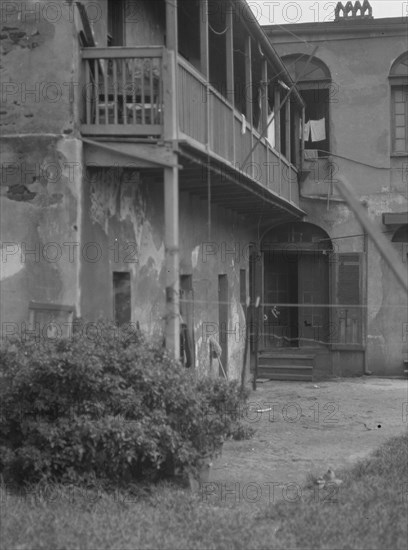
[[316, 88], [399, 105]]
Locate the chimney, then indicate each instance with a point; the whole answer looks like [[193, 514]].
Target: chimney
[[351, 12]]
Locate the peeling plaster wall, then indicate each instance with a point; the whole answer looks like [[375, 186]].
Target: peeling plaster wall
[[123, 228], [39, 228], [39, 79], [126, 207], [361, 129], [224, 252], [41, 161]]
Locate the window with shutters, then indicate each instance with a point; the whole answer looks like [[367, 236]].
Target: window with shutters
[[399, 105], [348, 310]]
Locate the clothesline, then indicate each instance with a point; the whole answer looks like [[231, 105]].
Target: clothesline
[[315, 130]]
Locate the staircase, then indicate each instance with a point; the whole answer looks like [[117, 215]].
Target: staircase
[[286, 365]]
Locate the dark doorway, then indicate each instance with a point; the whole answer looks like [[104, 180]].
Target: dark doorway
[[187, 348], [223, 320], [313, 299], [296, 309], [280, 291], [121, 297]]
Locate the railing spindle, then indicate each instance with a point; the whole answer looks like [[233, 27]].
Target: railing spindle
[[133, 92], [88, 92], [124, 92], [115, 91], [151, 92], [96, 76], [142, 69], [105, 68]]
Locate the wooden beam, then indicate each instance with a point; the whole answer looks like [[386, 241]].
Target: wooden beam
[[395, 218], [388, 253], [229, 42], [248, 78], [296, 137], [287, 130], [264, 99], [277, 117], [127, 155], [302, 142], [170, 122], [171, 222], [171, 210], [204, 49], [171, 25]]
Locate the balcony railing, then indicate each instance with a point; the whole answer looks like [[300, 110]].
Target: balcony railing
[[291, 325], [123, 92], [208, 119], [125, 97]]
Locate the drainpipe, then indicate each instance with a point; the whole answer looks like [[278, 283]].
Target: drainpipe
[[365, 324]]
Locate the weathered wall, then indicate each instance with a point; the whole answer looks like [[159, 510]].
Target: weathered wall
[[41, 159], [361, 130], [225, 251], [123, 230]]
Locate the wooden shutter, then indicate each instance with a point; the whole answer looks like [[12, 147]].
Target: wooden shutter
[[116, 22], [347, 299], [400, 118]]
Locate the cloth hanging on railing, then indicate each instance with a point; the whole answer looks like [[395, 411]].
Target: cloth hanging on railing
[[306, 130], [318, 129], [243, 127], [270, 136]]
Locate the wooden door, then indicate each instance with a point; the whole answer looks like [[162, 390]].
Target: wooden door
[[313, 299], [280, 287], [223, 307]]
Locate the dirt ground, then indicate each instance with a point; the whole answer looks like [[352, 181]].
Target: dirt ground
[[311, 427]]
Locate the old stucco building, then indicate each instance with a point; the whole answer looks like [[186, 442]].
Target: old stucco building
[[158, 169], [356, 88]]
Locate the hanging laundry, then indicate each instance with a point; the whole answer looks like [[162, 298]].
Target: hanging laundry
[[306, 131], [318, 129], [270, 136], [243, 128]]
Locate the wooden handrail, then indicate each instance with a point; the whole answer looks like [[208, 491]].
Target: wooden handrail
[[121, 52]]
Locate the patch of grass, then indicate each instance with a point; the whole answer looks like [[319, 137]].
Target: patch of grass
[[368, 511]]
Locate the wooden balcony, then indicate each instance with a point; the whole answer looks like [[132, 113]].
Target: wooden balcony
[[123, 91], [128, 94]]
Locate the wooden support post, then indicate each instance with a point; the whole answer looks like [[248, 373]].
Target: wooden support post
[[230, 92], [204, 50], [248, 95], [171, 25], [302, 141], [296, 136], [171, 221], [248, 78], [230, 55], [277, 101], [287, 130], [171, 209], [264, 99]]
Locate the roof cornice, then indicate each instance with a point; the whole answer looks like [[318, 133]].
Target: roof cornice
[[383, 26]]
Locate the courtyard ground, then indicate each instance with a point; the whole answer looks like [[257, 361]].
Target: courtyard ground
[[310, 427]]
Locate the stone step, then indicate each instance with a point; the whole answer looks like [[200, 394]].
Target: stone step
[[286, 372], [286, 360], [290, 377], [285, 367]]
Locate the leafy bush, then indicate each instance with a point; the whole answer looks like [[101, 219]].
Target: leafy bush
[[112, 406]]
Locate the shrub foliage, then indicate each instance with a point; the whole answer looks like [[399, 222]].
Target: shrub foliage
[[112, 407]]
